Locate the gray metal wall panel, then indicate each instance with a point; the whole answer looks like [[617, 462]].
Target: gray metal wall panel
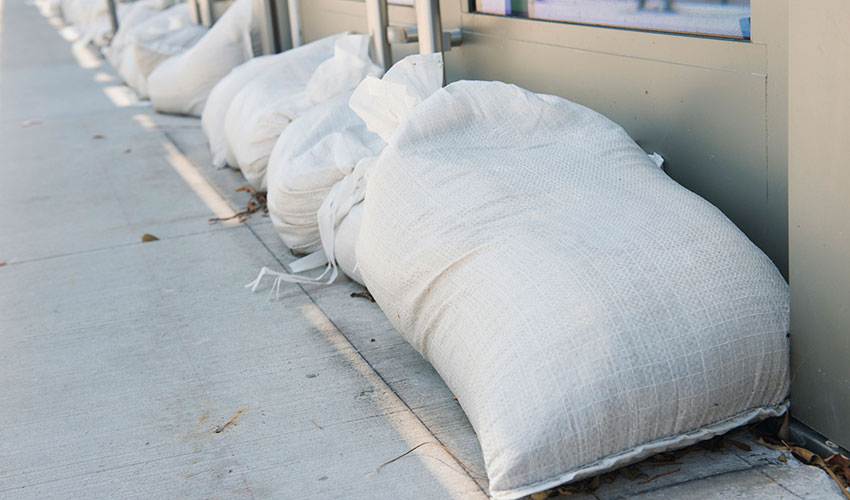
[[819, 178]]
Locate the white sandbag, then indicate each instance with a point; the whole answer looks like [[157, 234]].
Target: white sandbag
[[98, 32], [137, 13], [89, 22], [83, 12], [384, 103], [338, 234], [151, 42], [49, 8], [264, 108], [312, 154], [330, 146], [345, 243], [215, 109], [585, 309], [181, 84], [148, 54]]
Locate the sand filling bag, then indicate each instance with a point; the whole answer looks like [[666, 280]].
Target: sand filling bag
[[182, 83], [586, 310], [293, 69]]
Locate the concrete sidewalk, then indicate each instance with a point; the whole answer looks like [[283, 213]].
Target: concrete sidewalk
[[146, 370]]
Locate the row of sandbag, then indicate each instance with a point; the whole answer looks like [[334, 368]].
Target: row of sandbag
[[150, 32], [159, 52], [88, 20], [586, 310], [248, 102], [285, 122]]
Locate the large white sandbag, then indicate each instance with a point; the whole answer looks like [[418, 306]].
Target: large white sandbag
[[328, 146], [99, 31], [338, 231], [148, 53], [297, 64], [265, 107], [83, 12], [137, 14], [215, 109], [181, 84], [89, 21], [49, 8], [143, 46], [586, 310], [324, 144], [312, 154], [345, 243]]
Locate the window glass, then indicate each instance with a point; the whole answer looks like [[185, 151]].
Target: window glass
[[726, 18]]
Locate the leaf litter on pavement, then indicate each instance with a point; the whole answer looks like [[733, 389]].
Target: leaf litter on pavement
[[255, 204]]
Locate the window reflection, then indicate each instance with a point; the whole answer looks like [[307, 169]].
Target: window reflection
[[729, 18]]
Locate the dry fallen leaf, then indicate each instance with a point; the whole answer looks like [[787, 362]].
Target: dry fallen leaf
[[408, 452], [98, 136], [783, 458], [805, 455], [811, 458], [149, 237], [542, 495], [2, 264], [363, 295], [840, 465], [762, 442], [219, 428], [256, 203]]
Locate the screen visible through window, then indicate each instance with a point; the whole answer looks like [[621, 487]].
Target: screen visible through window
[[726, 18]]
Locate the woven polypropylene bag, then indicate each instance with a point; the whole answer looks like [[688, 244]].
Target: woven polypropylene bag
[[148, 53], [317, 172], [293, 67], [261, 111], [82, 12], [586, 310], [315, 152], [151, 42], [181, 84], [136, 15], [215, 109]]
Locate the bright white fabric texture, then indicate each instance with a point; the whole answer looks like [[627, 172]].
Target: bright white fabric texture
[[265, 107], [82, 12], [215, 109], [181, 84], [150, 52], [145, 45], [298, 65], [586, 310], [313, 153], [135, 15], [317, 171]]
